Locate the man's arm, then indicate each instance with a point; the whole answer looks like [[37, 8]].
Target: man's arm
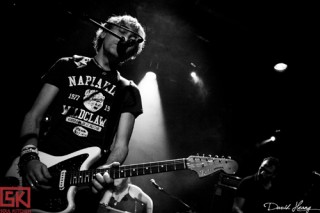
[[35, 172], [31, 123], [238, 203], [119, 150], [147, 200], [139, 194]]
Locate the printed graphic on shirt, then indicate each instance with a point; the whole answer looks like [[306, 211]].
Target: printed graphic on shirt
[[94, 101], [80, 131], [93, 82]]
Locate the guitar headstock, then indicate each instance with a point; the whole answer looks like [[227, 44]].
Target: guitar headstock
[[207, 165]]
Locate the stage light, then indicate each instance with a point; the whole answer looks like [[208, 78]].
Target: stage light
[[151, 75], [149, 132], [199, 85], [194, 77], [272, 139], [280, 67]]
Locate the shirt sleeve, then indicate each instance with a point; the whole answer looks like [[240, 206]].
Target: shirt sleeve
[[244, 188], [132, 100], [56, 72]]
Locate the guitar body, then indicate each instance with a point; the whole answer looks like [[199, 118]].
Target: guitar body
[[58, 199]]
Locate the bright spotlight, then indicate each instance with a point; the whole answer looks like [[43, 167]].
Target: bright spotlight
[[280, 67], [195, 77], [270, 140], [151, 75]]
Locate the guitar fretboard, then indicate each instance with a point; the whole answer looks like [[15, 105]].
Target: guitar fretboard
[[85, 177]]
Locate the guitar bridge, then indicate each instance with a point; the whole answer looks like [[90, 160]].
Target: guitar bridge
[[62, 179]]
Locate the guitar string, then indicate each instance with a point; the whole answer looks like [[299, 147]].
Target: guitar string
[[76, 175], [136, 166], [125, 168]]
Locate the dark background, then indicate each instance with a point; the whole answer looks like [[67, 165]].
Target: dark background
[[234, 46]]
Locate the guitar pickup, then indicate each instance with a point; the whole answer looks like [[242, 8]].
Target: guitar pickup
[[62, 179]]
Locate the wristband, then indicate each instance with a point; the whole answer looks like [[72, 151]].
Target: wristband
[[29, 148], [25, 158]]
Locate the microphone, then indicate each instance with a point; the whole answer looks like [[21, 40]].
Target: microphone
[[155, 184], [128, 43], [161, 189], [123, 46]]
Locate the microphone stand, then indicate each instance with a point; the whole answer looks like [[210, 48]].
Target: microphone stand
[[178, 199], [85, 17], [122, 39]]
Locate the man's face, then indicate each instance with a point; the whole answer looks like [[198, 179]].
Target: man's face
[[111, 43], [266, 172]]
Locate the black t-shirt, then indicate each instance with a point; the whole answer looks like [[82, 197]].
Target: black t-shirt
[[87, 108], [256, 196]]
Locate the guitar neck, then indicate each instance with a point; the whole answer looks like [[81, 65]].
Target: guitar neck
[[85, 177]]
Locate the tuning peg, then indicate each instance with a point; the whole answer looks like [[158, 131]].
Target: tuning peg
[[229, 157], [216, 156], [209, 156]]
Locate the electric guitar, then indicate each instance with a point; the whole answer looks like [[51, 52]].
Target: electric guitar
[[69, 172]]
